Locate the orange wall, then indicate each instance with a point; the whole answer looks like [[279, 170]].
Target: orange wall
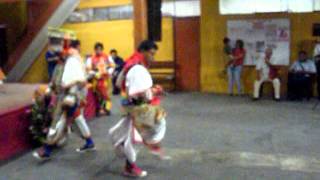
[[213, 30], [102, 3]]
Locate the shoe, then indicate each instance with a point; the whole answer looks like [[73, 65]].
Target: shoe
[[41, 155], [255, 99], [134, 171], [86, 148]]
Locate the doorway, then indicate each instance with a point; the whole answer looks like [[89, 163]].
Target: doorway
[[187, 53]]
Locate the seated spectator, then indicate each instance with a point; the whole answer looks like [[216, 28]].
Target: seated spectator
[[300, 78], [52, 59], [266, 72], [119, 65]]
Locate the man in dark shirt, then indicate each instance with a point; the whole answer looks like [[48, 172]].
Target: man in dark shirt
[[301, 74], [52, 59], [119, 65]]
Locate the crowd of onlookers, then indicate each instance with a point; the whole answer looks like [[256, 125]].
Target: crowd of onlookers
[[301, 77], [53, 58]]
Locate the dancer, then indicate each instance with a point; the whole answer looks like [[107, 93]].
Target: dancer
[[72, 105], [100, 67], [144, 122]]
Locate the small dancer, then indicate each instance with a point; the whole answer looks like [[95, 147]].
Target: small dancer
[[100, 67]]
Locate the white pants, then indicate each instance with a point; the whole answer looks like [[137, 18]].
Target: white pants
[[276, 87], [125, 137], [58, 131]]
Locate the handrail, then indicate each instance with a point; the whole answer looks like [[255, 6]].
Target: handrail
[[34, 48], [30, 35]]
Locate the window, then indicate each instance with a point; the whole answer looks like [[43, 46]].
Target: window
[[265, 6], [317, 5], [182, 8], [100, 14], [236, 6], [300, 5]]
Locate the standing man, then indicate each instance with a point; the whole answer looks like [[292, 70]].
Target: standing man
[[73, 84], [52, 59], [145, 121], [100, 67], [119, 65], [266, 72]]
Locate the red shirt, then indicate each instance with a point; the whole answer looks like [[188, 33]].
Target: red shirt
[[96, 59], [239, 52], [134, 59]]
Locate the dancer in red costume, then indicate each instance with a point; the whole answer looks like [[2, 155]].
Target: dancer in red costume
[[145, 120], [100, 67]]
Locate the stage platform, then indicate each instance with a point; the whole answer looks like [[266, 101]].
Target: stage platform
[[15, 101], [13, 96]]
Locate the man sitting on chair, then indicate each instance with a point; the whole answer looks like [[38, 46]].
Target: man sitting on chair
[[300, 79], [266, 72]]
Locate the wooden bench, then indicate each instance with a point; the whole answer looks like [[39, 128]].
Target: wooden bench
[[163, 73]]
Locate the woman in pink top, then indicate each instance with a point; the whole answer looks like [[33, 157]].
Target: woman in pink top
[[235, 67]]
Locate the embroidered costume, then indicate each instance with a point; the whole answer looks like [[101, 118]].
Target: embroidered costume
[[100, 67], [70, 104], [144, 122]]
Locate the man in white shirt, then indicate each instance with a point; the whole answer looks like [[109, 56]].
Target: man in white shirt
[[73, 84], [266, 73], [300, 78]]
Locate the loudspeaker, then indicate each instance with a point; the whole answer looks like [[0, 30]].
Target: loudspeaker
[[3, 45], [316, 29], [154, 19]]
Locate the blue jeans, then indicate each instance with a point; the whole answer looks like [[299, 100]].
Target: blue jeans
[[234, 76]]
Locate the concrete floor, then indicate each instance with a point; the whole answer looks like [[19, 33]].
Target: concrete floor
[[208, 137]]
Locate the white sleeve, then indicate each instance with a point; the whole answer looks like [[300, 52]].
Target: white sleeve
[[293, 66], [259, 64], [316, 51], [138, 80], [73, 72], [89, 63], [312, 67], [111, 61]]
